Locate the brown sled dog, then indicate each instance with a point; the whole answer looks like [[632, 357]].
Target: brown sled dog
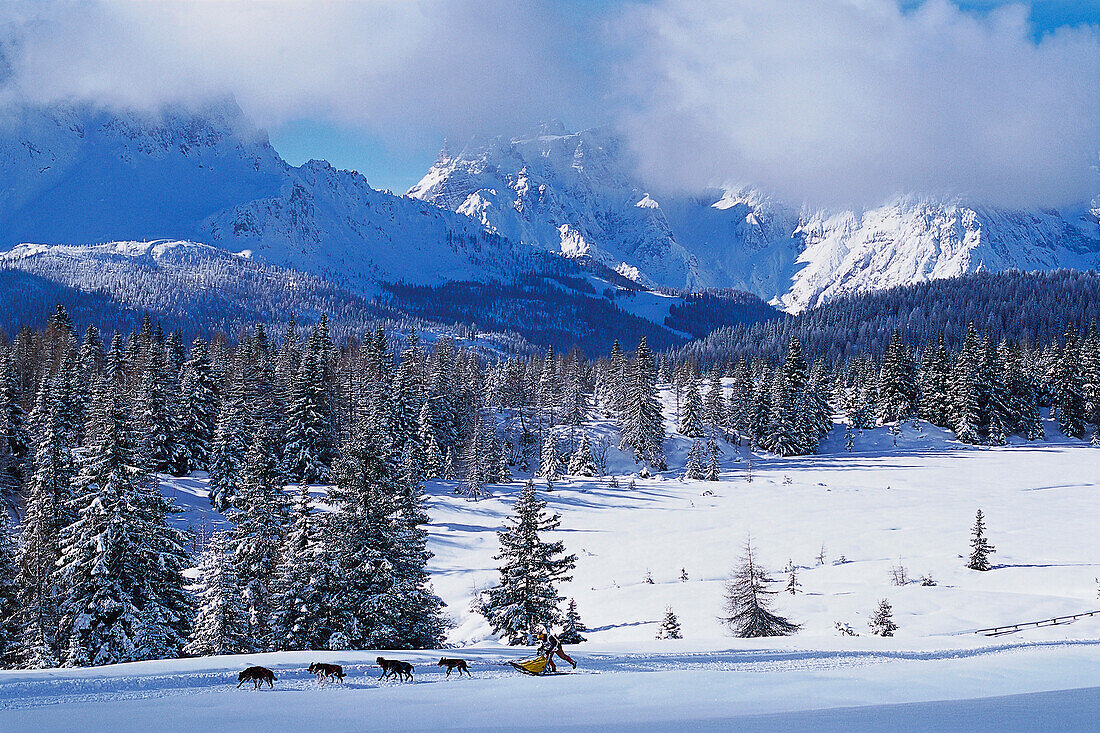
[[450, 664], [257, 676], [395, 668], [327, 672]]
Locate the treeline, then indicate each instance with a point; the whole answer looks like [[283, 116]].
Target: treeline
[[983, 390], [1022, 307]]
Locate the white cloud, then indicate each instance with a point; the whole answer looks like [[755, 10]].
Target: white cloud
[[842, 101], [389, 66], [825, 101]]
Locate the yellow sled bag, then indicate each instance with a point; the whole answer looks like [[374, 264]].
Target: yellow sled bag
[[531, 666]]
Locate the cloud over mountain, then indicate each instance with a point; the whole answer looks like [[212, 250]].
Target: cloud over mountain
[[825, 101]]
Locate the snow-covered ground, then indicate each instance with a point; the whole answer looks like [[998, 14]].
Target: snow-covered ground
[[878, 508]]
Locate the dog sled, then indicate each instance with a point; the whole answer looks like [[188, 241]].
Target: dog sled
[[533, 667]]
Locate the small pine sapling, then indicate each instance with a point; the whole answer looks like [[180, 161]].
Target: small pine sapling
[[882, 620], [846, 629], [648, 578], [899, 575], [572, 626], [670, 626], [793, 586], [849, 439], [821, 555], [980, 547], [683, 575]]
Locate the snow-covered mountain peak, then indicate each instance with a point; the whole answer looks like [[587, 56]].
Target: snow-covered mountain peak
[[566, 192]]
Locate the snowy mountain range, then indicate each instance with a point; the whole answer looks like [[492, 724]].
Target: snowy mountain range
[[494, 211], [573, 193], [82, 176]]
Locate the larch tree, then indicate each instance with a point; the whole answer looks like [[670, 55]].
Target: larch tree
[[748, 601]]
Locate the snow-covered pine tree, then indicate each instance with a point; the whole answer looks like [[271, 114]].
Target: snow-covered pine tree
[[935, 381], [121, 563], [10, 626], [14, 442], [198, 408], [980, 549], [432, 462], [377, 545], [526, 598], [1090, 377], [641, 424], [221, 621], [881, 622], [1067, 398], [691, 412], [1022, 395], [227, 454], [581, 462], [259, 515], [420, 622], [301, 594], [308, 450], [670, 626], [713, 469], [154, 414], [793, 586], [748, 601], [761, 411], [715, 412], [693, 468], [550, 463], [788, 430], [572, 626], [849, 439], [897, 387], [741, 400], [477, 459], [48, 511], [966, 386]]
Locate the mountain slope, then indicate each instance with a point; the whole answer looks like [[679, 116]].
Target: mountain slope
[[574, 193], [79, 176]]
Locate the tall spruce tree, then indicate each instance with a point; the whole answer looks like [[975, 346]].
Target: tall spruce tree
[[259, 515], [897, 388], [221, 621], [1067, 399], [525, 600], [198, 409], [581, 462], [10, 625], [966, 386], [641, 424], [691, 413], [121, 563], [48, 510]]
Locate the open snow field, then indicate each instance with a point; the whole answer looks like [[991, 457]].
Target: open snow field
[[877, 508]]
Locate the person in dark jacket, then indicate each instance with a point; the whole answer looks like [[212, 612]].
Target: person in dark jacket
[[549, 645]]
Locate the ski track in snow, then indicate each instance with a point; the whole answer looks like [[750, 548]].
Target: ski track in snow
[[22, 693]]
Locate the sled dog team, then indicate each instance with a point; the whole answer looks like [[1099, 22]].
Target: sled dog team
[[334, 672]]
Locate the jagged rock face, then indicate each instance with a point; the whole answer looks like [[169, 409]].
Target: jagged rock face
[[566, 193], [575, 193], [81, 176]]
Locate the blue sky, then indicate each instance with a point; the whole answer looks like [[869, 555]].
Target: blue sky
[[399, 166]]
